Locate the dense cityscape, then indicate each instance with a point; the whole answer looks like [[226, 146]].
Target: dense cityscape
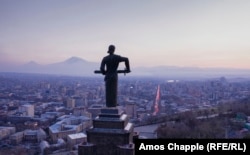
[[49, 114]]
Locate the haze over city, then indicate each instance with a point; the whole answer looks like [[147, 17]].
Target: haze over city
[[189, 33]]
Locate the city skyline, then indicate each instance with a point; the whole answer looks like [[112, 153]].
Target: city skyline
[[190, 33]]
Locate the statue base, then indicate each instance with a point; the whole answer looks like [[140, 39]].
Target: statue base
[[112, 133]]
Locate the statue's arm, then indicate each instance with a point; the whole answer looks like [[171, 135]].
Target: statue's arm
[[127, 65], [102, 67]]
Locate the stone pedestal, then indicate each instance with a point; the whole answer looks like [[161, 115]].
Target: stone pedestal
[[111, 134]]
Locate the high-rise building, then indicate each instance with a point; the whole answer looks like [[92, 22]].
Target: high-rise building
[[27, 110], [71, 103], [130, 109]]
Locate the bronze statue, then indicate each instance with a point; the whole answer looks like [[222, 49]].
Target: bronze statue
[[109, 66]]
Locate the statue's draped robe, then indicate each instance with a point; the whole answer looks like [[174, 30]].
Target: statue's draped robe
[[109, 66]]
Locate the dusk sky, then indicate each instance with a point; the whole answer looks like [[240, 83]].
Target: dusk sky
[[187, 33]]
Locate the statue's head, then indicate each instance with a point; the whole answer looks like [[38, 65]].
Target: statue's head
[[111, 49]]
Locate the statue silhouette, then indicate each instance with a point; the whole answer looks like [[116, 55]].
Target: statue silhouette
[[108, 67]]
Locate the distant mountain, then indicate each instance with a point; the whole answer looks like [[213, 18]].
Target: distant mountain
[[76, 66], [73, 66], [73, 60]]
